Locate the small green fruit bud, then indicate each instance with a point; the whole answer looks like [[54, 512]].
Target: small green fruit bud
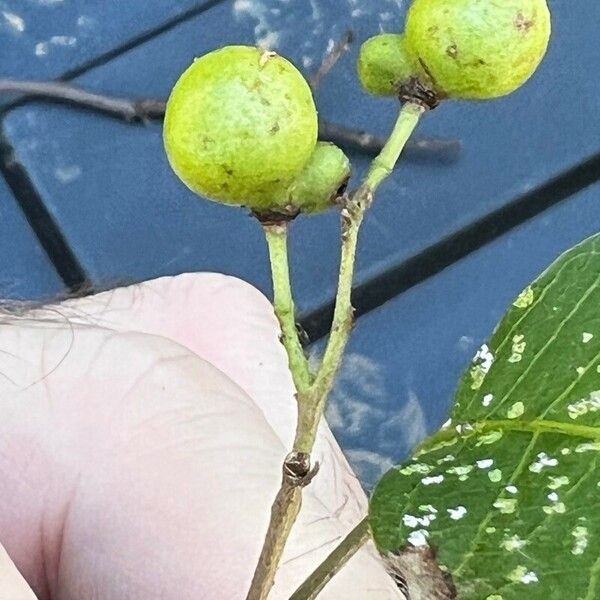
[[477, 49], [240, 126], [384, 64], [322, 181]]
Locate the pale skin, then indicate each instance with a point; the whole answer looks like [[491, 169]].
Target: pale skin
[[142, 433]]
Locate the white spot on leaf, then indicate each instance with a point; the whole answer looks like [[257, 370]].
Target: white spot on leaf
[[437, 479], [418, 538], [456, 514], [523, 575], [419, 468], [495, 475], [487, 400], [580, 534], [513, 543], [555, 483], [482, 363], [543, 462], [518, 348], [591, 404], [489, 438]]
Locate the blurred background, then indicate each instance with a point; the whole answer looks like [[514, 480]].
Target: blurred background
[[487, 198]]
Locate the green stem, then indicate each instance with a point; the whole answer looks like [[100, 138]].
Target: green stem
[[325, 572], [283, 302], [352, 218], [312, 395]]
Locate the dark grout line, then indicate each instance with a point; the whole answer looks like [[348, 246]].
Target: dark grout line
[[434, 259], [139, 40], [41, 221], [102, 59]]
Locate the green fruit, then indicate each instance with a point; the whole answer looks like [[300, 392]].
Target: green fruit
[[477, 49], [240, 126], [322, 180], [384, 63]]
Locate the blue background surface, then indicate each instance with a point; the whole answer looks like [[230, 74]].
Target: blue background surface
[[445, 248], [26, 272]]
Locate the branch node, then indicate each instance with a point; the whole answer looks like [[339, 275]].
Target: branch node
[[297, 469], [276, 217], [416, 92]]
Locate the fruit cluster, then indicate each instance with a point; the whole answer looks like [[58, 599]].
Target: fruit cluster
[[241, 128], [241, 124], [462, 49]]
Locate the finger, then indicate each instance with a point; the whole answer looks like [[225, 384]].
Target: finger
[[222, 319], [232, 325], [130, 469], [12, 584], [236, 326]]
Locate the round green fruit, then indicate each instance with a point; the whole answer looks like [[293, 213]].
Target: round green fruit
[[322, 181], [240, 126], [477, 49], [384, 64]]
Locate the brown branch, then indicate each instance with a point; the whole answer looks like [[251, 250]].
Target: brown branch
[[124, 108], [331, 59], [327, 570], [443, 151], [143, 110]]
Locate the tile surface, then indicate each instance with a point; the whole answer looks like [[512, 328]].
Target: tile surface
[[405, 358], [45, 38], [25, 271], [127, 218]]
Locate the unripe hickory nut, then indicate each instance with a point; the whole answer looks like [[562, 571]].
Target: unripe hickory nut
[[477, 49], [384, 64], [240, 126], [322, 181]]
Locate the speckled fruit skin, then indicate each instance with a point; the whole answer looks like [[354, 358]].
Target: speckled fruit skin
[[319, 184], [478, 49], [240, 126], [384, 63]]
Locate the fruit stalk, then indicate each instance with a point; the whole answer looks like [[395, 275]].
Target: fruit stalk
[[297, 469], [353, 214], [283, 303]]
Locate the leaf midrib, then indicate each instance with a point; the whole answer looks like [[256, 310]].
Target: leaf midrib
[[480, 428]]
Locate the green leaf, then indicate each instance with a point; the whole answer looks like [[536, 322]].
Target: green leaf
[[508, 494]]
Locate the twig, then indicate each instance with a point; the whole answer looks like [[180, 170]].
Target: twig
[[284, 513], [124, 108], [443, 151], [325, 572], [352, 217], [147, 109], [331, 59], [298, 471]]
